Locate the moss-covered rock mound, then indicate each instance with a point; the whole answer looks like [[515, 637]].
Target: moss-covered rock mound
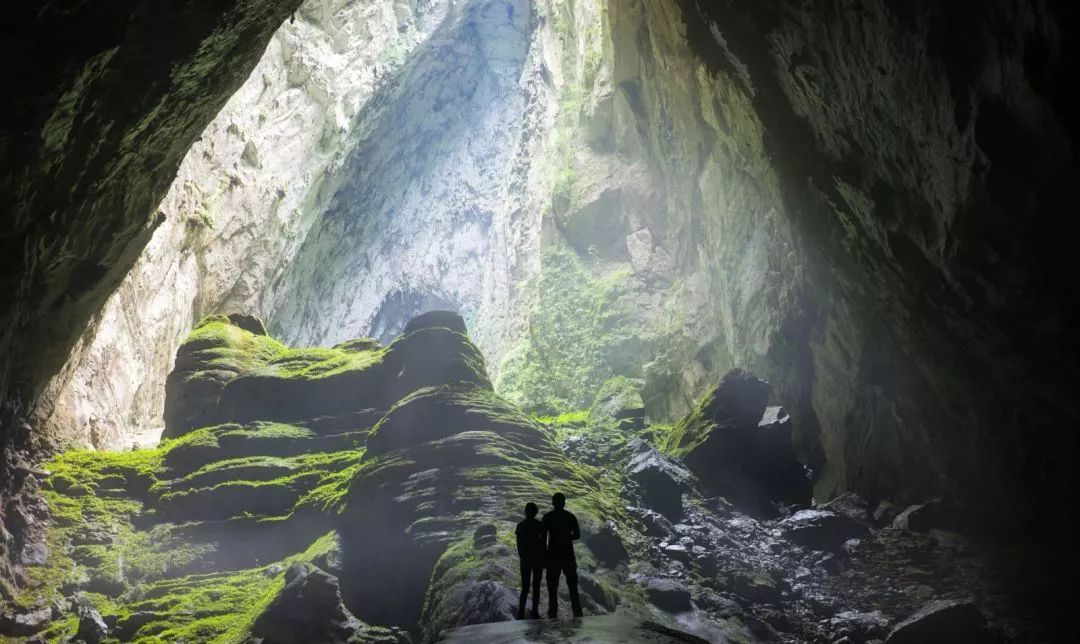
[[367, 471]]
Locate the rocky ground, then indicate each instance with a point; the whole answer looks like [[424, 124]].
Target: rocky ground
[[368, 493]]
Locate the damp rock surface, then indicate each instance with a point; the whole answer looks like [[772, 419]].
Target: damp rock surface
[[373, 498]]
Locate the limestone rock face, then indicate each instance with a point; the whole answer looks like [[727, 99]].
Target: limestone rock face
[[90, 150], [928, 177], [244, 198], [437, 176]]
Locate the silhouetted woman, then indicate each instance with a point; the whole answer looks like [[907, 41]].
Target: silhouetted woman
[[530, 547]]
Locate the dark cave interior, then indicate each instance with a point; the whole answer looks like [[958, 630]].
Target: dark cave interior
[[779, 295]]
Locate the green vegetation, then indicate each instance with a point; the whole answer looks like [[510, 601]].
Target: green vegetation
[[189, 541], [576, 324], [691, 430]]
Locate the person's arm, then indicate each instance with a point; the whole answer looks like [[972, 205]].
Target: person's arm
[[517, 534], [575, 531]]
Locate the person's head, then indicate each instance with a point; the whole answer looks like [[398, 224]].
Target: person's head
[[531, 510], [558, 500]]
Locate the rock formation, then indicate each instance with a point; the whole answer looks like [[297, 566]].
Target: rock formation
[[633, 191], [626, 200], [368, 493]]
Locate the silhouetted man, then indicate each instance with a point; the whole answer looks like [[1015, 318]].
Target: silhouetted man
[[562, 531], [530, 547]]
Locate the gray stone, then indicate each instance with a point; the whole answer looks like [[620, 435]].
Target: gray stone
[[606, 544], [308, 608], [923, 517], [820, 529], [850, 505], [944, 622], [668, 595], [859, 627], [661, 479], [92, 628], [22, 623]]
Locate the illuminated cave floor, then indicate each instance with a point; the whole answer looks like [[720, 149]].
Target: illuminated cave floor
[[368, 494]]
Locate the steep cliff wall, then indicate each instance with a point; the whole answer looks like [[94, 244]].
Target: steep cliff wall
[[110, 99], [242, 203], [435, 174], [843, 198], [924, 152]]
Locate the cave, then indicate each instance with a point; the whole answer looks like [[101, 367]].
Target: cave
[[304, 300]]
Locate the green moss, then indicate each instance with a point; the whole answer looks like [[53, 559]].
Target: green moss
[[574, 418], [317, 363], [217, 344], [691, 430], [576, 321]]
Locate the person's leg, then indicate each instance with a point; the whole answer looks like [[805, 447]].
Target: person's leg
[[553, 589], [571, 585], [526, 570], [537, 573]]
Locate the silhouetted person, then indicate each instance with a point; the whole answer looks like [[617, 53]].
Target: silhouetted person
[[562, 531], [530, 547]]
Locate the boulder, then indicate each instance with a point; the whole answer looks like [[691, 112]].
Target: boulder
[[821, 529], [668, 595], [942, 621], [924, 517], [754, 586], [606, 545], [885, 513], [485, 535], [656, 524], [859, 627], [308, 608], [92, 628], [661, 479], [481, 601], [21, 623], [850, 505], [740, 449], [437, 320]]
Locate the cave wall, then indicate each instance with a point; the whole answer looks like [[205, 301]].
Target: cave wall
[[109, 99], [242, 202], [667, 255], [843, 197], [432, 181], [924, 153]]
